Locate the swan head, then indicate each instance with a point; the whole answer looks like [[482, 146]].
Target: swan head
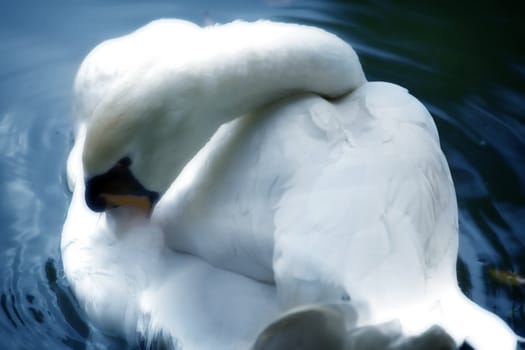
[[118, 187], [128, 153]]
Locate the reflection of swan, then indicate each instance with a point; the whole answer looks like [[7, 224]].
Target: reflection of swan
[[333, 188]]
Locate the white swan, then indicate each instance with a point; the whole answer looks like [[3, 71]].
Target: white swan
[[319, 187]]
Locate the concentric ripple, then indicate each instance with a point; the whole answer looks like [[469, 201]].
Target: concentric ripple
[[464, 61]]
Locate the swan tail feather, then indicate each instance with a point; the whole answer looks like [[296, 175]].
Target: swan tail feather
[[467, 321]]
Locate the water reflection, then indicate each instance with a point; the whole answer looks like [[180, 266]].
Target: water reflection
[[464, 61]]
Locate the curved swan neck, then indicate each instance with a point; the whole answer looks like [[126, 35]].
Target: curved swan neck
[[242, 66], [184, 85], [252, 64]]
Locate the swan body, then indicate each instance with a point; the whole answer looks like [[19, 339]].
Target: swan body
[[285, 180]]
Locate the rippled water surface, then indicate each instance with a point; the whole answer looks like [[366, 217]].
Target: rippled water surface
[[466, 63]]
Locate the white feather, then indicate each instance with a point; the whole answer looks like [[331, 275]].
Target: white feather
[[295, 200]]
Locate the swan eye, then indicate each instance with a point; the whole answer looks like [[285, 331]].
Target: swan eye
[[126, 162]]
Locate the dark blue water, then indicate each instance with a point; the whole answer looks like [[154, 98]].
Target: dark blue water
[[466, 63]]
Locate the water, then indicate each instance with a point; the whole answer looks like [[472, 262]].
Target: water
[[467, 64]]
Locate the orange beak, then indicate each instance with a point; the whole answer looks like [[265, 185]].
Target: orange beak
[[142, 203], [117, 187]]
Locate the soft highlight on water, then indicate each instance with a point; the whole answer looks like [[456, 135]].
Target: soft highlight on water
[[465, 62]]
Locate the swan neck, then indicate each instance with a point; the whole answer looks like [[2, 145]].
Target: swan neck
[[251, 67], [176, 97], [234, 69]]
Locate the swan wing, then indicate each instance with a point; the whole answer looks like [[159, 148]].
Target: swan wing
[[338, 193], [372, 211]]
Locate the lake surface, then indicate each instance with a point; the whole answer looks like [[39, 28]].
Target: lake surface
[[466, 63]]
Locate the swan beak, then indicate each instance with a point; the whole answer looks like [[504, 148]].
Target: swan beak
[[117, 187], [142, 203]]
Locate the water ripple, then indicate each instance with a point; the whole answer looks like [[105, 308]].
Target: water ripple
[[476, 94]]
